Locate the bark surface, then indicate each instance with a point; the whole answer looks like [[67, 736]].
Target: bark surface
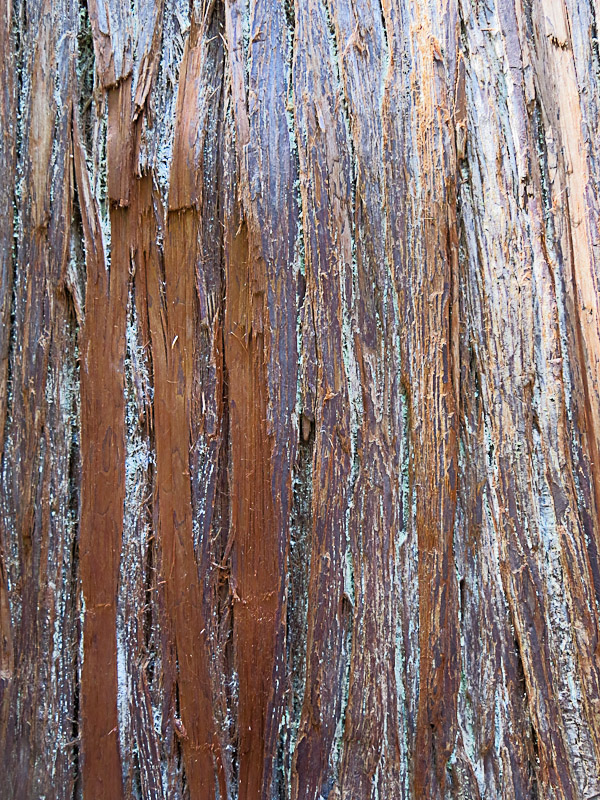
[[300, 399]]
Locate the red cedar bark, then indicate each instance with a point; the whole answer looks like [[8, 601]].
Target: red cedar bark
[[37, 528], [300, 399], [173, 339], [326, 199], [261, 358], [7, 178]]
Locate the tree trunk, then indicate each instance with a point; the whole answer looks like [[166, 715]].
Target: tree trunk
[[300, 399]]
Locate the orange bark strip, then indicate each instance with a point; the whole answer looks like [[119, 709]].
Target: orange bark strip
[[172, 344], [119, 150], [173, 310], [103, 486], [255, 562], [432, 356]]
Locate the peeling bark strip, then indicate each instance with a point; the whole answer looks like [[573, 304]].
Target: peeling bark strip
[[300, 399], [102, 486], [260, 354]]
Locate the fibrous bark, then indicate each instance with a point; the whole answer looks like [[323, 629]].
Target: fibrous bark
[[300, 399]]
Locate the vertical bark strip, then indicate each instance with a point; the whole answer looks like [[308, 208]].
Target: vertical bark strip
[[7, 178], [299, 399], [39, 406], [325, 181], [370, 754], [429, 297], [260, 353], [103, 488], [173, 303]]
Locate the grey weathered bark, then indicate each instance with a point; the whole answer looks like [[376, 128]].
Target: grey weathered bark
[[300, 399]]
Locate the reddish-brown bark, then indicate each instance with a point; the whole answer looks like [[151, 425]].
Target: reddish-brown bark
[[299, 399]]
